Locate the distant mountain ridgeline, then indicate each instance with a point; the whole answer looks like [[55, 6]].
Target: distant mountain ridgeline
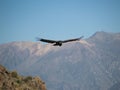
[[88, 64]]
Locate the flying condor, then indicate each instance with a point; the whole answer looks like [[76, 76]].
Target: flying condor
[[58, 43]]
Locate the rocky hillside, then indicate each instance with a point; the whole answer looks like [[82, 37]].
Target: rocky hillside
[[89, 64], [13, 81]]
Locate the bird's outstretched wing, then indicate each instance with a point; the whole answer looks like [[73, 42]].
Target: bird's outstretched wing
[[46, 40], [70, 40]]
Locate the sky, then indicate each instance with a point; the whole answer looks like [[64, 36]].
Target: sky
[[24, 20]]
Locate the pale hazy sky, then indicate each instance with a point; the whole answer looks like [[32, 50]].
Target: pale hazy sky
[[24, 20]]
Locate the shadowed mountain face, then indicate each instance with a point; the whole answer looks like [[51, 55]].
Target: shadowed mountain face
[[89, 64]]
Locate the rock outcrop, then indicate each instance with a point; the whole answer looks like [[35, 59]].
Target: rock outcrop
[[13, 81]]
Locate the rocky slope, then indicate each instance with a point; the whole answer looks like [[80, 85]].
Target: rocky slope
[[13, 81], [89, 64]]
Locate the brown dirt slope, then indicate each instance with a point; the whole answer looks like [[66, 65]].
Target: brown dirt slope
[[13, 81]]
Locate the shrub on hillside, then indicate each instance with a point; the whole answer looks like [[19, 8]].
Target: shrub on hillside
[[14, 74], [26, 79]]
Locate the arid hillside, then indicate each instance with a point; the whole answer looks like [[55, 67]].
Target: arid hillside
[[13, 81]]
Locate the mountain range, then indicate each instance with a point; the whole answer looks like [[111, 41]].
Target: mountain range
[[89, 64]]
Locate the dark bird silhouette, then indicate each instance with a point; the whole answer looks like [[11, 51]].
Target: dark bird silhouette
[[58, 43]]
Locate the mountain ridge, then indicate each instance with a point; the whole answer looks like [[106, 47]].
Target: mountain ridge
[[88, 64]]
